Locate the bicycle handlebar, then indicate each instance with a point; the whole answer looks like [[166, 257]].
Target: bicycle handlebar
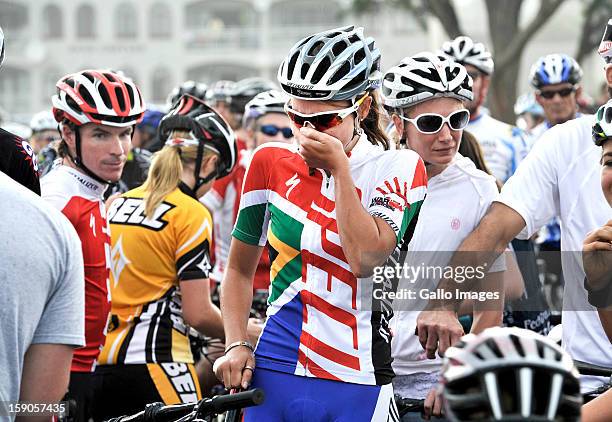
[[157, 412]]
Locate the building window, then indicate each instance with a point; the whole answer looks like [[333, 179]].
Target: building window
[[160, 21], [50, 78], [126, 21], [52, 22], [13, 18], [86, 21], [15, 90], [161, 85]]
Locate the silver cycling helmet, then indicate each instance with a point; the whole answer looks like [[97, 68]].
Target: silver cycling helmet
[[510, 374], [338, 64], [272, 101], [605, 46], [465, 51], [425, 76], [43, 120]]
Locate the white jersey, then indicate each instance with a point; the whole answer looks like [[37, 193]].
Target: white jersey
[[561, 176], [503, 146], [456, 201]]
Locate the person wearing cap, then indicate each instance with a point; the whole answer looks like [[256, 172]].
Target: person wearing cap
[[332, 208]]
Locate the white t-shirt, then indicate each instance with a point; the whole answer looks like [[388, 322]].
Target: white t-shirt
[[503, 146], [562, 176], [456, 201]]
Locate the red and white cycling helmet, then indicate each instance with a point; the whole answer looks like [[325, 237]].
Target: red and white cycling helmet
[[98, 96]]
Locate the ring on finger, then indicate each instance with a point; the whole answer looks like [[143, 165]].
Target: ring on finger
[[248, 367]]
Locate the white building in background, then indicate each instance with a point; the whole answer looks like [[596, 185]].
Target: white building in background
[[160, 43]]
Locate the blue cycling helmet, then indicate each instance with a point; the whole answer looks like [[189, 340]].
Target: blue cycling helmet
[[555, 69], [150, 121]]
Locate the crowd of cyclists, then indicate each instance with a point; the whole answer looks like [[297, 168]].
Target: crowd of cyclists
[[296, 191]]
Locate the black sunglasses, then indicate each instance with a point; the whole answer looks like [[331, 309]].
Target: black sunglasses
[[562, 93], [272, 130]]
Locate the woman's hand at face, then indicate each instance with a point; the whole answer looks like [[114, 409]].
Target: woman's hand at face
[[321, 150]]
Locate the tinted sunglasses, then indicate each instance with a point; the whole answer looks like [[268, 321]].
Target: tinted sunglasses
[[549, 95], [272, 130], [324, 120], [429, 123]]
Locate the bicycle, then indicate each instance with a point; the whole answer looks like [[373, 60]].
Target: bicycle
[[203, 410]]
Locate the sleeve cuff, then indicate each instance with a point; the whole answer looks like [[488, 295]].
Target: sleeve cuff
[[528, 230], [246, 237]]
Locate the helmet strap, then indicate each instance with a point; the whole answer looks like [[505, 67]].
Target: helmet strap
[[199, 181]]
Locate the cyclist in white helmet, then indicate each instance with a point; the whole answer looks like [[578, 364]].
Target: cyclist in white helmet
[[427, 95], [510, 374], [332, 209], [504, 146], [265, 119], [560, 176], [556, 79], [528, 112], [597, 249], [44, 130]]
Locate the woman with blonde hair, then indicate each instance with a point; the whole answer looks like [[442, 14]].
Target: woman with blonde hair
[[160, 262]]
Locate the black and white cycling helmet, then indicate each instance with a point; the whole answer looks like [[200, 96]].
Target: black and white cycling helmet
[[196, 89], [1, 46], [605, 46], [602, 128], [338, 64], [43, 120], [555, 69], [465, 51], [510, 374], [245, 90], [425, 76], [272, 101], [207, 129]]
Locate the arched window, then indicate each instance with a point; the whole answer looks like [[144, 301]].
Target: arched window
[[160, 85], [52, 22], [126, 21], [86, 21], [160, 21]]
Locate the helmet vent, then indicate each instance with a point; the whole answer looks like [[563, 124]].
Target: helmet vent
[[120, 98], [105, 96], [340, 73], [356, 80], [339, 47], [359, 56], [517, 345], [494, 348], [304, 71], [86, 96], [130, 93], [320, 71], [292, 62], [316, 47]]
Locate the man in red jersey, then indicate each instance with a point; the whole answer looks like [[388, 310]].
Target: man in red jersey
[[97, 111]]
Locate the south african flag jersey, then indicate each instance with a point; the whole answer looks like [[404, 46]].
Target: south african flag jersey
[[316, 326]]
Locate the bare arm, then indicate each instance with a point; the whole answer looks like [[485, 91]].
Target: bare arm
[[598, 410], [236, 299], [488, 313], [45, 376], [198, 309]]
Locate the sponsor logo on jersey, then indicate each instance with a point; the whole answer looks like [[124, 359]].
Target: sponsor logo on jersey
[[292, 183], [130, 212]]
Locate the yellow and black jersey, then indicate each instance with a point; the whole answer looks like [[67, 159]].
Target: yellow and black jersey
[[149, 257]]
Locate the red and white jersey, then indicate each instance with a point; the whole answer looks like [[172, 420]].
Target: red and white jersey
[[79, 197]]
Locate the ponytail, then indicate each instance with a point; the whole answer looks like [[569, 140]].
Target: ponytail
[[166, 171], [372, 125]]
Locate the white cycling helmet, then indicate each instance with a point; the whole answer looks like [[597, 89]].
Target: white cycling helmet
[[527, 103], [425, 76], [555, 69], [338, 64], [465, 51], [510, 374], [43, 120], [272, 101], [220, 91]]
